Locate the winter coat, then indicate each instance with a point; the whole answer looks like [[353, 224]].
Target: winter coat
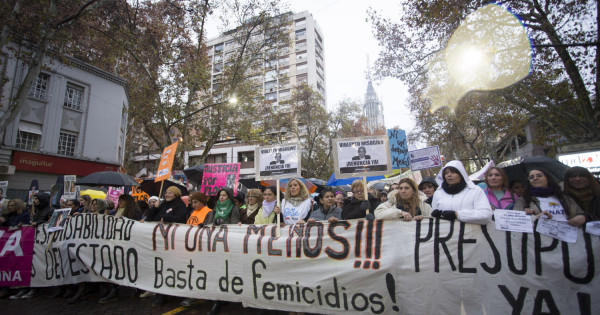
[[507, 201], [389, 211], [13, 219], [471, 204], [174, 211], [352, 207], [43, 212], [234, 215], [320, 214], [260, 218], [572, 208]]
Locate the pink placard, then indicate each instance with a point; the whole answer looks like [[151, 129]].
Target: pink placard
[[114, 193], [219, 176], [16, 253]]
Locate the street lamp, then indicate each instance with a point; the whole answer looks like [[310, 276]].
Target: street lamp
[[232, 101]]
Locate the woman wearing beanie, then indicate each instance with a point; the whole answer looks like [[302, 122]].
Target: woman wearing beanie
[[265, 214], [428, 186], [202, 213], [459, 198], [225, 210], [172, 209]]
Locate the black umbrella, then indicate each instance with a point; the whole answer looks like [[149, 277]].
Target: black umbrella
[[250, 183], [518, 169], [195, 173], [381, 186], [153, 188], [107, 178], [319, 183]]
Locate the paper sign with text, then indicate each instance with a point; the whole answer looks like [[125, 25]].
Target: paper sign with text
[[356, 266], [69, 192], [560, 230], [513, 220], [219, 176], [398, 148], [365, 156], [277, 161], [425, 158], [166, 162], [16, 253]]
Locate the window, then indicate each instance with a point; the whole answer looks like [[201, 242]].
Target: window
[[246, 158], [28, 140], [216, 158], [270, 86], [300, 22], [66, 144], [39, 89], [301, 57], [219, 48], [301, 33], [301, 67], [73, 97], [271, 96], [302, 78]]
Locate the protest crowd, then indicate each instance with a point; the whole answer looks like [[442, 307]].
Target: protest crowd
[[452, 196]]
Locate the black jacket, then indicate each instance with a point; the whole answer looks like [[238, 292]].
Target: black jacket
[[352, 208], [43, 212], [173, 211]]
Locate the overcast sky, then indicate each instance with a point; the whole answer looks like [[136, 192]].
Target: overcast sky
[[348, 39]]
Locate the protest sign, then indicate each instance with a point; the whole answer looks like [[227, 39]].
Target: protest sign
[[354, 266], [137, 193], [113, 194], [365, 156], [513, 220], [278, 161], [425, 158], [58, 219], [219, 176], [166, 162], [3, 188], [398, 148], [69, 192], [593, 227], [560, 230], [16, 253]]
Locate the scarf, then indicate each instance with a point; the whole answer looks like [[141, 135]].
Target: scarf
[[295, 201], [223, 209], [453, 190], [268, 207], [251, 208], [583, 197], [541, 192]]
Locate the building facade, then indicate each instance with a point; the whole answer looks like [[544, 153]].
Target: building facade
[[373, 108], [73, 123]]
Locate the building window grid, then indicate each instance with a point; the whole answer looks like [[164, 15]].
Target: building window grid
[[73, 97], [27, 141], [39, 89], [66, 144]]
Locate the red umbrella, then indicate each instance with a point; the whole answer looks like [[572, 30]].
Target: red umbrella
[[284, 181]]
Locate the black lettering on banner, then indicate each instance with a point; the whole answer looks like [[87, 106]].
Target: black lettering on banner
[[509, 254], [585, 303], [270, 249], [256, 275], [375, 300], [86, 270], [516, 304], [116, 250], [544, 297], [338, 255], [358, 239], [58, 263], [335, 295], [187, 238], [96, 235], [221, 237], [158, 277], [495, 253], [299, 230], [309, 301], [236, 282], [590, 261], [209, 231], [364, 302], [87, 224], [49, 266], [71, 260], [419, 240], [106, 263], [461, 241], [441, 241], [282, 292], [313, 252], [78, 226], [93, 247], [164, 232], [253, 229], [132, 255], [538, 249]]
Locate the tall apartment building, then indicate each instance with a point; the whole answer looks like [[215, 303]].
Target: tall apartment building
[[73, 123], [373, 108]]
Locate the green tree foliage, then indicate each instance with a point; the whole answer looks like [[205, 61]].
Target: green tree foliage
[[559, 90]]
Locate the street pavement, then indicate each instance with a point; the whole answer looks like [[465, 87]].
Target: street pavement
[[129, 303]]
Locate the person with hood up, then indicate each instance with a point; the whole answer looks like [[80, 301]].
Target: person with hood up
[[356, 207], [428, 186], [43, 210], [225, 212], [459, 198], [405, 203]]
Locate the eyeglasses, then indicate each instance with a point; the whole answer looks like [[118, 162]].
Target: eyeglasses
[[358, 192], [535, 175]]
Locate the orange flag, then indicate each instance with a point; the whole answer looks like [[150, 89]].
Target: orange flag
[[166, 162]]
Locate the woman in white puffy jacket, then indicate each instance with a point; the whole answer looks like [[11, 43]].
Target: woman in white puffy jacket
[[458, 198], [405, 203]]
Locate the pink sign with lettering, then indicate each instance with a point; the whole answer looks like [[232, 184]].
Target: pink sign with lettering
[[16, 253], [219, 176]]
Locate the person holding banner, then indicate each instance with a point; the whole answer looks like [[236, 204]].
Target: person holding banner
[[296, 205], [98, 206], [543, 196], [16, 214], [581, 185], [226, 212], [356, 207], [128, 208], [202, 213], [327, 209], [459, 198], [85, 204], [495, 187], [171, 210], [255, 199], [265, 214], [428, 186], [406, 203], [43, 210]]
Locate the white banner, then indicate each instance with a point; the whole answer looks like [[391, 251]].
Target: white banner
[[353, 266]]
